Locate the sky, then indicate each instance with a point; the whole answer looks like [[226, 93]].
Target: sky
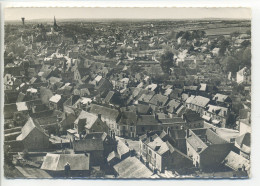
[[126, 13]]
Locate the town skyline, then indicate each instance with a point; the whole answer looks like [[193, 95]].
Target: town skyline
[[128, 13]]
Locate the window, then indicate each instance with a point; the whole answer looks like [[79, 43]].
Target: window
[[150, 152], [154, 156]]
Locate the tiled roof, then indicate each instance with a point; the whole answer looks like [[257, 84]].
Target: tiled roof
[[128, 118], [56, 162], [200, 101], [88, 145], [244, 139], [104, 111], [191, 116], [55, 99], [147, 120], [217, 110], [122, 148], [220, 97], [135, 169], [159, 100], [236, 161], [27, 129], [90, 118]]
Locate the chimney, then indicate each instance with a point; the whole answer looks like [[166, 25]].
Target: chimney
[[151, 139], [99, 116], [188, 133]]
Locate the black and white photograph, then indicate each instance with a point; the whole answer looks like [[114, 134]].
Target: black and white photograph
[[126, 93]]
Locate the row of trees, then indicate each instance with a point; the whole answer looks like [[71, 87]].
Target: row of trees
[[190, 35]]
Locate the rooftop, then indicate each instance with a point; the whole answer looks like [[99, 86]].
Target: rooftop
[[56, 162]]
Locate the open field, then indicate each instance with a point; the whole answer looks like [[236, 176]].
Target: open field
[[226, 31]]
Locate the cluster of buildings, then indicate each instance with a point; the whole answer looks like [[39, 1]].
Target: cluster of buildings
[[72, 105]]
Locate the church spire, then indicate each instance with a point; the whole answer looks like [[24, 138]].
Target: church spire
[[55, 24]]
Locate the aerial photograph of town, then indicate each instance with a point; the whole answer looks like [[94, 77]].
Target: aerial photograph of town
[[127, 98]]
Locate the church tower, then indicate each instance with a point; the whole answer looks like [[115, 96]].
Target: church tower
[[55, 24]]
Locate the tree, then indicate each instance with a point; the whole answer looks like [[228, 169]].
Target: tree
[[187, 35], [230, 64], [179, 34], [245, 43], [246, 58], [235, 34], [223, 47], [166, 61]]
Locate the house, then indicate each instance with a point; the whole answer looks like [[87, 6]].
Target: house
[[88, 122], [176, 93], [192, 119], [206, 148], [222, 100], [120, 153], [173, 106], [172, 123], [11, 109], [83, 103], [135, 169], [33, 136], [143, 109], [237, 163], [243, 143], [244, 122], [147, 123], [103, 87], [217, 114], [56, 102], [109, 141], [55, 165], [243, 76], [151, 87], [159, 100], [113, 98], [161, 155], [94, 147], [80, 73], [191, 89], [198, 104], [215, 51], [113, 158], [108, 115], [122, 149], [178, 136], [126, 126]]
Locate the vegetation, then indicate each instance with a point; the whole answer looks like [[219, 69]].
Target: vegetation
[[166, 61]]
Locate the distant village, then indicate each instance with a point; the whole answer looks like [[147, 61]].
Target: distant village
[[119, 99]]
